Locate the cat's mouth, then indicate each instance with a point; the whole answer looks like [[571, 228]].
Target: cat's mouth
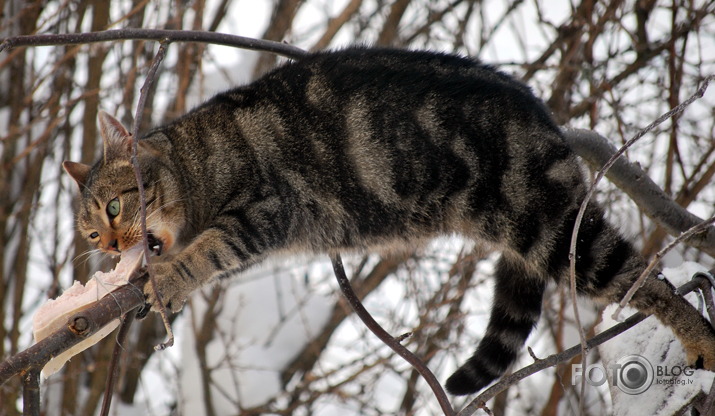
[[155, 244]]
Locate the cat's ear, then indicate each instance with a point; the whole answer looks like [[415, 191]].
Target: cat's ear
[[117, 140], [78, 171]]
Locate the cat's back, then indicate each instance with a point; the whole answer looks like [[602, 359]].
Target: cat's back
[[329, 92], [385, 76], [396, 97]]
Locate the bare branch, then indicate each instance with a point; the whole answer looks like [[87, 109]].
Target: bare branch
[[334, 25], [601, 173], [281, 22], [385, 337], [140, 185], [389, 33], [307, 358], [79, 327], [113, 372], [157, 35], [630, 178], [31, 391]]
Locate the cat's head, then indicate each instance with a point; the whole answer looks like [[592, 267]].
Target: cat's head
[[109, 210]]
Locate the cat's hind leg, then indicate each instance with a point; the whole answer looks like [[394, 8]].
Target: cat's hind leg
[[606, 268], [515, 311]]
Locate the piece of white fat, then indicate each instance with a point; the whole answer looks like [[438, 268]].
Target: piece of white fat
[[55, 313]]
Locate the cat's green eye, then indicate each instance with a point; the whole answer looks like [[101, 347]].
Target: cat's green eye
[[94, 235], [113, 208]]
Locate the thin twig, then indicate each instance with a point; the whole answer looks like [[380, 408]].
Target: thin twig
[[157, 35], [31, 392], [114, 363], [386, 338], [143, 92]]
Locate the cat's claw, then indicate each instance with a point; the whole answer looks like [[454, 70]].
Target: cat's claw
[[172, 290], [143, 311]]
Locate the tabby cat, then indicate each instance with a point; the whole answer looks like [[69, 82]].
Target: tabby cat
[[365, 148]]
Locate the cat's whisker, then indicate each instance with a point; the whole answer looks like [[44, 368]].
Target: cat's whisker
[[83, 258]]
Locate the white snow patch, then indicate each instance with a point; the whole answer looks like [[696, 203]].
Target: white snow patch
[[263, 324], [673, 386]]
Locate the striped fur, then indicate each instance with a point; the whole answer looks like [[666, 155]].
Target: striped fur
[[368, 148]]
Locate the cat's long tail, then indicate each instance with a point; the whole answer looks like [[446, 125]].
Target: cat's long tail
[[516, 309]]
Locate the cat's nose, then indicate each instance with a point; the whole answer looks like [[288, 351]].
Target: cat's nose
[[113, 245]]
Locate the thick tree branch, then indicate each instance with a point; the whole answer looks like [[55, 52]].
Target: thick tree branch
[[79, 326], [596, 150]]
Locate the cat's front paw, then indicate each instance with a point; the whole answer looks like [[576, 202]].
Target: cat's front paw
[[172, 290]]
